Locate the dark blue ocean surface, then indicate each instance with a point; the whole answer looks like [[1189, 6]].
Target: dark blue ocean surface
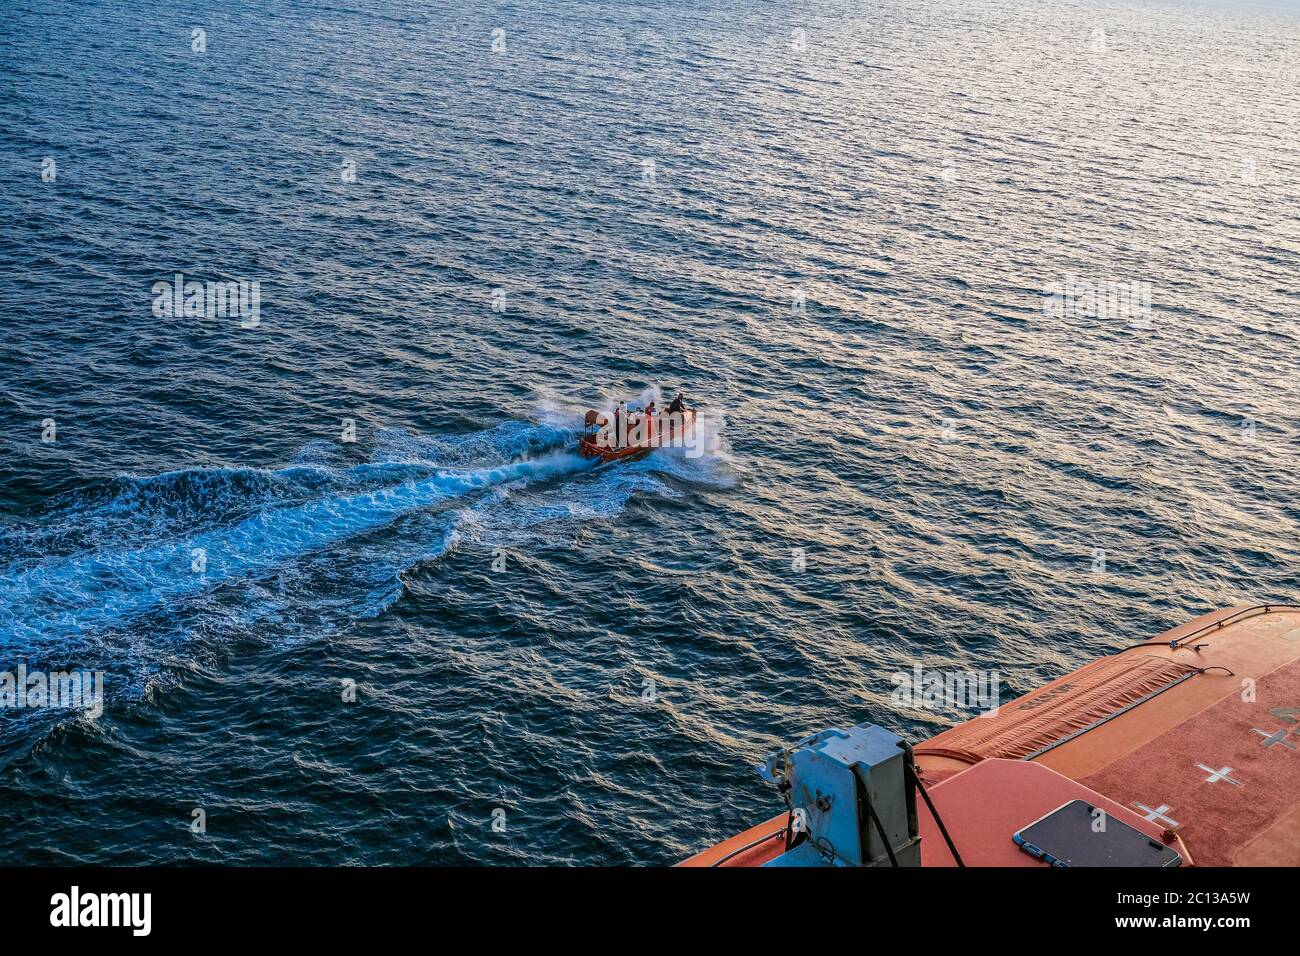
[[835, 225]]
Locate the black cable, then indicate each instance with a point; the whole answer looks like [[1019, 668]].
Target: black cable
[[747, 846], [827, 852], [952, 847], [1170, 644], [880, 828], [1233, 618], [789, 817]]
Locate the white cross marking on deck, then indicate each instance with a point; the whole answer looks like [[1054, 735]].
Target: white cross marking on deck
[[1158, 813], [1221, 774], [1277, 737]]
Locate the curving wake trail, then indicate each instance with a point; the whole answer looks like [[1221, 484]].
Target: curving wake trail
[[72, 595], [142, 577]]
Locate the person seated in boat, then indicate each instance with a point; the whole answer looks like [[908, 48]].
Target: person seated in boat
[[678, 405]]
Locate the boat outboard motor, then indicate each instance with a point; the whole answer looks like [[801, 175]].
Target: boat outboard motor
[[851, 799]]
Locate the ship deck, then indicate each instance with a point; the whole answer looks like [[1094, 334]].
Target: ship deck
[[1192, 737]]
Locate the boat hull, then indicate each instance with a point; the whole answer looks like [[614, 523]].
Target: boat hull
[[590, 446]]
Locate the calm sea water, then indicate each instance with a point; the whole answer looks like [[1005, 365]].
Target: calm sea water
[[833, 224]]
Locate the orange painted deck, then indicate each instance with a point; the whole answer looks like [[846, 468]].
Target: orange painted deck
[[1193, 737]]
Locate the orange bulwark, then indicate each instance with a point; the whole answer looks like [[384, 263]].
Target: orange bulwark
[[1192, 738]]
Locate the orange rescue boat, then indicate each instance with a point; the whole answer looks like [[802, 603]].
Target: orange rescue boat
[[664, 430]]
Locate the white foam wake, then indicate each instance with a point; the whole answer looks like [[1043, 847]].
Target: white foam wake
[[71, 595]]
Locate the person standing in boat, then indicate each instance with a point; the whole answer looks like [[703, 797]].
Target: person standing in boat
[[677, 418], [650, 424], [620, 424]]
